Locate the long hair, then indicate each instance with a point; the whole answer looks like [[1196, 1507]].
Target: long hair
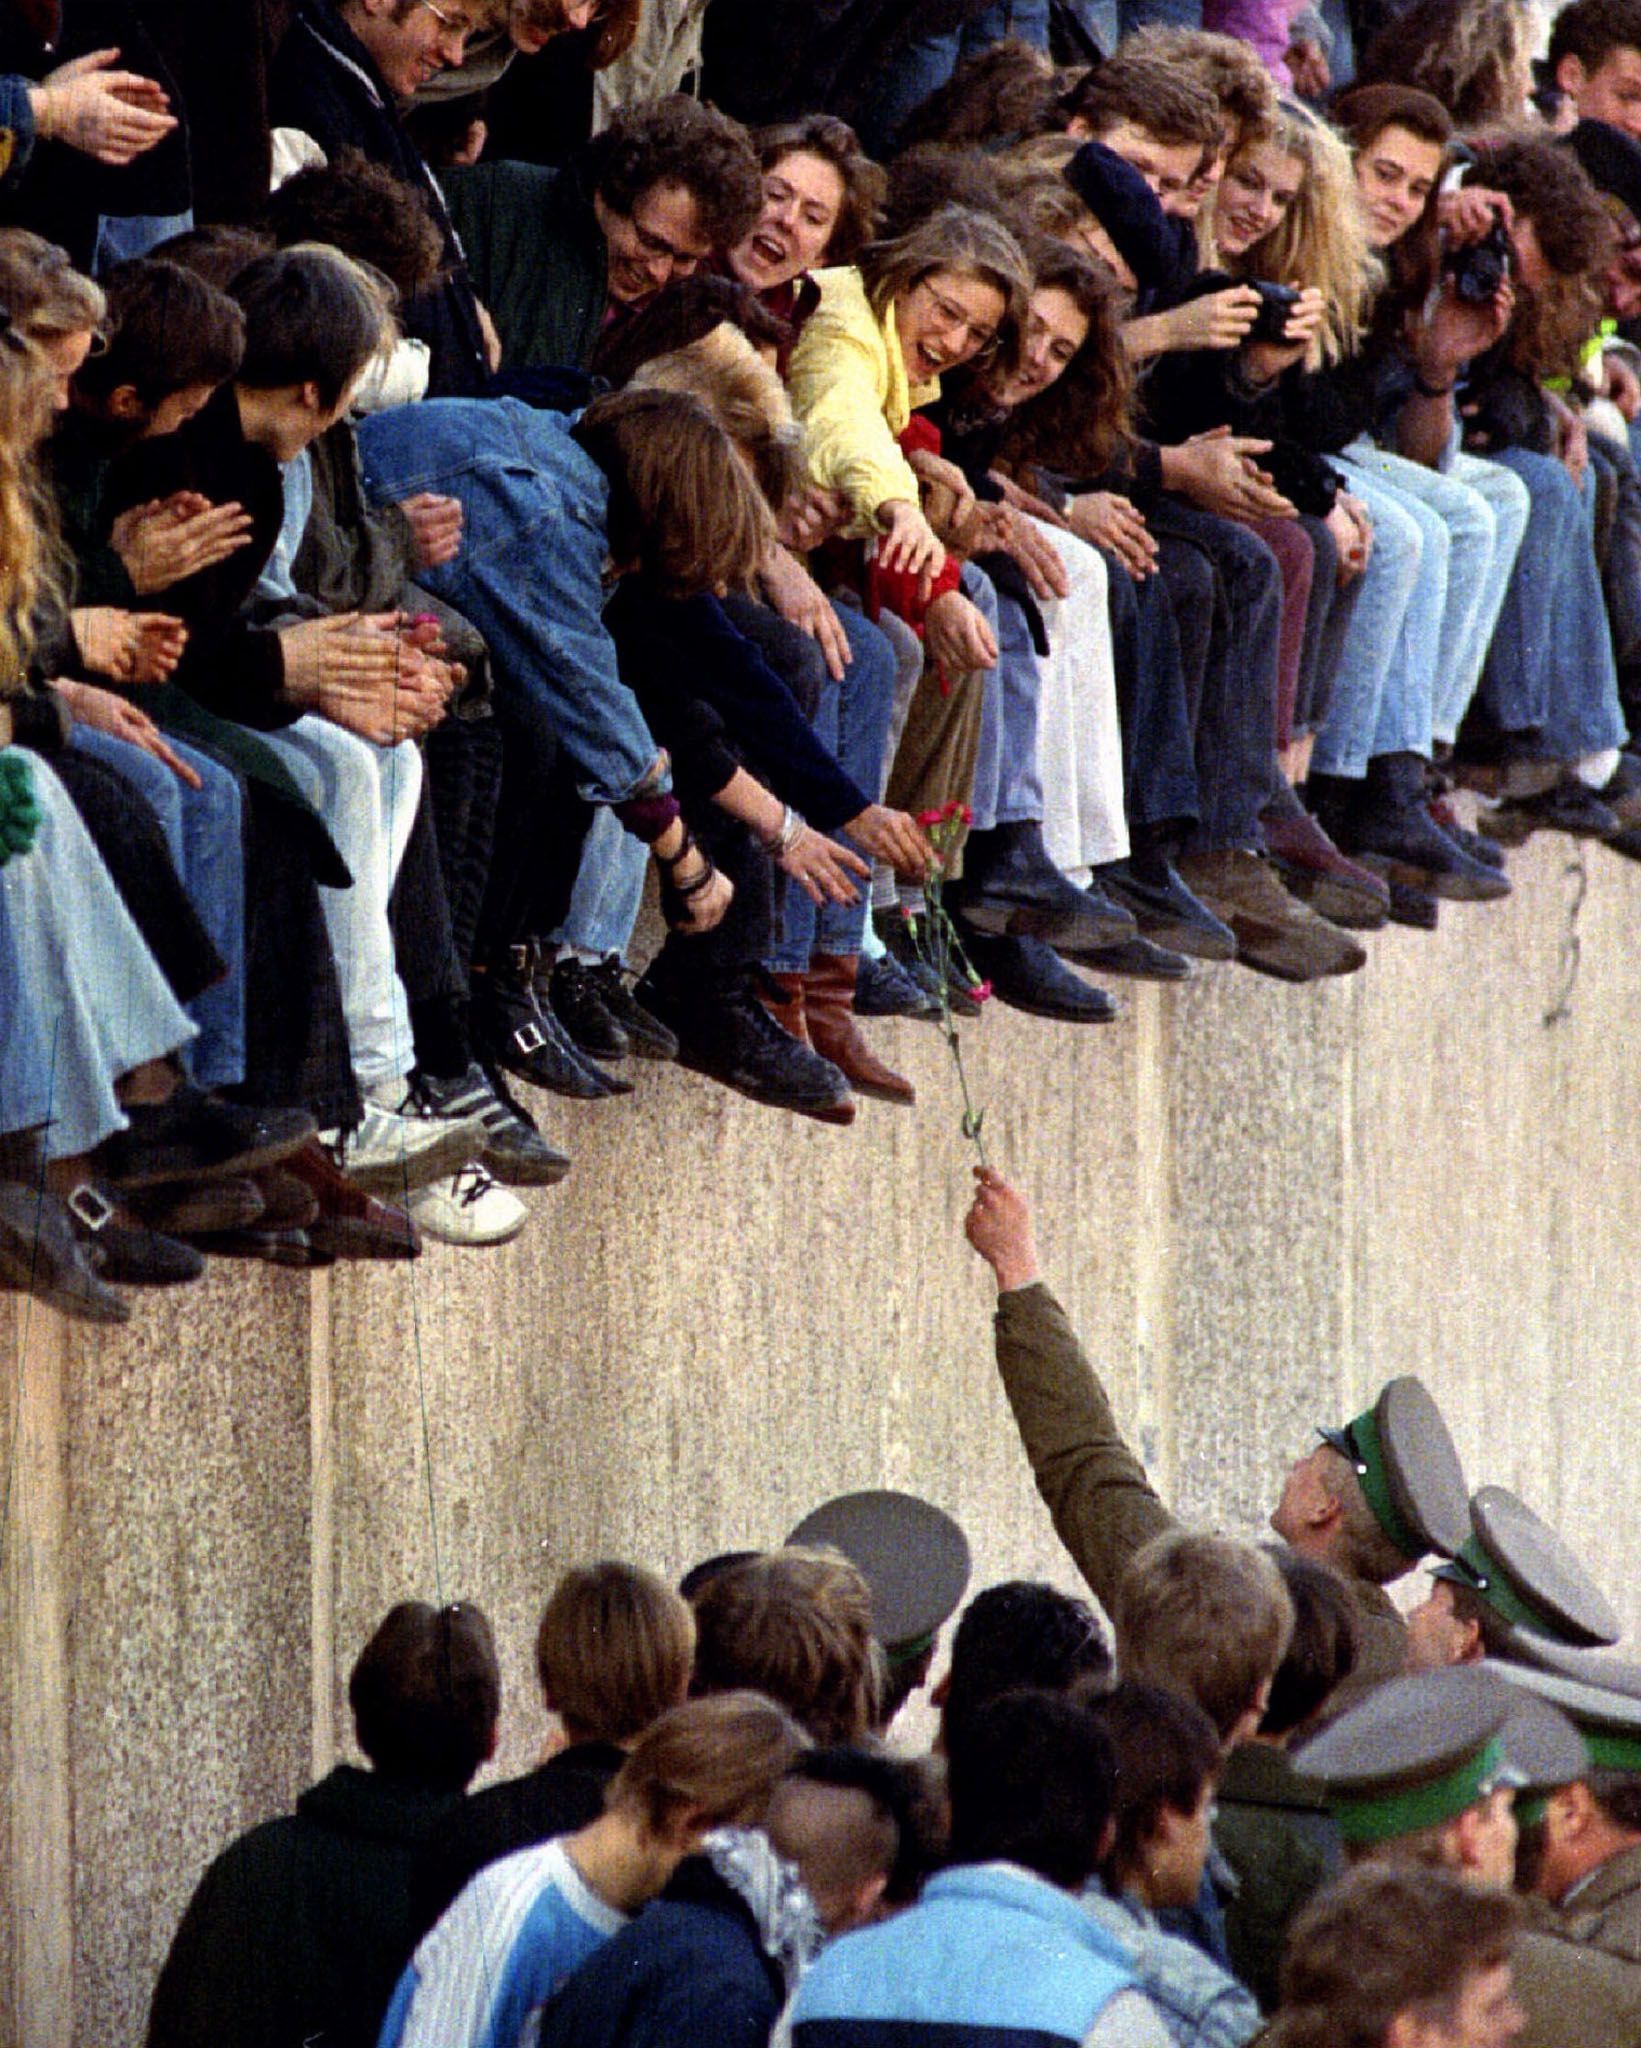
[[1547, 186], [1469, 54], [1080, 422], [43, 292], [27, 558], [1413, 260], [956, 239], [1322, 240]]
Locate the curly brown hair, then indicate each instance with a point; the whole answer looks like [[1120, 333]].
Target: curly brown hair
[[678, 141], [362, 209], [1084, 418], [1469, 54], [1548, 188], [1002, 91], [1151, 93], [1226, 66]]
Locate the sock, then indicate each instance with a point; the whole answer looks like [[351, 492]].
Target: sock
[[1595, 771]]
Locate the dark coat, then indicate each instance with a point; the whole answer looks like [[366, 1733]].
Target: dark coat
[[1274, 1830], [689, 1968], [537, 257], [300, 1929], [324, 82], [564, 1794]]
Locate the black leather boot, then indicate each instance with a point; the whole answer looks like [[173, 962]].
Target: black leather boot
[[512, 1030], [1389, 829], [1011, 888], [724, 1032]]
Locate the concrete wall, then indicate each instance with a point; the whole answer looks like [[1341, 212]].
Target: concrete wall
[[1258, 1202]]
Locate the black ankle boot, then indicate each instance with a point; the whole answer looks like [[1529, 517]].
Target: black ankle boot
[[1011, 888], [1393, 833], [513, 1031], [724, 1032]]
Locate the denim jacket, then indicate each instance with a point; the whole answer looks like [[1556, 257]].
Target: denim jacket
[[16, 128]]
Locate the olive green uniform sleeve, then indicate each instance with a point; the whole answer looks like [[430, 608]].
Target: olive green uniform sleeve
[[1104, 1507]]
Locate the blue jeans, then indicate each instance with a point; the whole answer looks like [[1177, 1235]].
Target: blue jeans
[[852, 718], [1381, 698], [82, 999], [925, 64], [1550, 668], [1007, 787], [609, 889], [204, 830], [529, 577]]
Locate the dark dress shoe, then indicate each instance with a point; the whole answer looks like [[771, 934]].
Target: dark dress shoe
[[351, 1224], [193, 1136], [1314, 869], [895, 929], [884, 989], [1030, 976], [1389, 829], [726, 1033], [286, 1247], [1570, 807], [1135, 960], [215, 1205], [129, 1254], [41, 1254], [513, 1031], [1010, 888], [1476, 844], [575, 999], [1416, 908], [1165, 909]]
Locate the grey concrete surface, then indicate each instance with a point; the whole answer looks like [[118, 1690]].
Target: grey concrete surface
[[1257, 1202]]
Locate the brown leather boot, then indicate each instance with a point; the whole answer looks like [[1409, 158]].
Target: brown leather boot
[[828, 1004], [782, 995]]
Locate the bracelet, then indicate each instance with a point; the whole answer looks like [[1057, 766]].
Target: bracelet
[[1432, 390], [786, 835]]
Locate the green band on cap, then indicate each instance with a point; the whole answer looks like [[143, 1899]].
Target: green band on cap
[[1386, 1816], [1531, 1810], [1610, 1751], [1370, 1470], [1473, 1567], [903, 1653]]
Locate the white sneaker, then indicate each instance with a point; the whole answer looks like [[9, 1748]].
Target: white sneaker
[[391, 1153], [469, 1208]]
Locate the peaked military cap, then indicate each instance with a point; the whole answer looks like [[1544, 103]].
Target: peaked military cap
[[1403, 1454], [912, 1554], [1416, 1752], [1545, 1746], [1527, 1574], [1600, 1695]]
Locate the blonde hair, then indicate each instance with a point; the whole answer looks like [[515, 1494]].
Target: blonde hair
[[43, 292], [1322, 240], [27, 558], [1206, 1615], [614, 1650], [744, 395], [722, 1756]]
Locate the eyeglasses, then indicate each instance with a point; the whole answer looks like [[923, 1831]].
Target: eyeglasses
[[976, 333], [656, 245]]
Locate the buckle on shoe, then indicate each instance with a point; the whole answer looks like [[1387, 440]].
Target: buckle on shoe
[[92, 1209], [529, 1037]]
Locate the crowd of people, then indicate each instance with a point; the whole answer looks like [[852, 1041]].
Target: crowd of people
[[1263, 1807], [423, 515]]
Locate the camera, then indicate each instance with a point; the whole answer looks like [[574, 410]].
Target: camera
[[1479, 270], [1276, 302]]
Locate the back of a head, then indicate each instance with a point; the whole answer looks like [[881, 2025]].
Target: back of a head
[[718, 1758], [744, 395], [218, 252], [796, 1624], [312, 315], [1169, 105], [614, 1650], [361, 208], [1379, 1941], [841, 1815], [1030, 1777], [683, 509], [426, 1692], [169, 329], [1166, 1751], [1224, 66], [1021, 1634], [1206, 1615], [1322, 1650], [1004, 90], [1466, 53], [936, 174], [686, 312], [42, 291]]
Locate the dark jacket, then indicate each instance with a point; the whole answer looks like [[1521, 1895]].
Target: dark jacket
[[1274, 1830], [690, 1968], [537, 257], [716, 705], [324, 82], [232, 667], [564, 1794], [300, 1929]]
